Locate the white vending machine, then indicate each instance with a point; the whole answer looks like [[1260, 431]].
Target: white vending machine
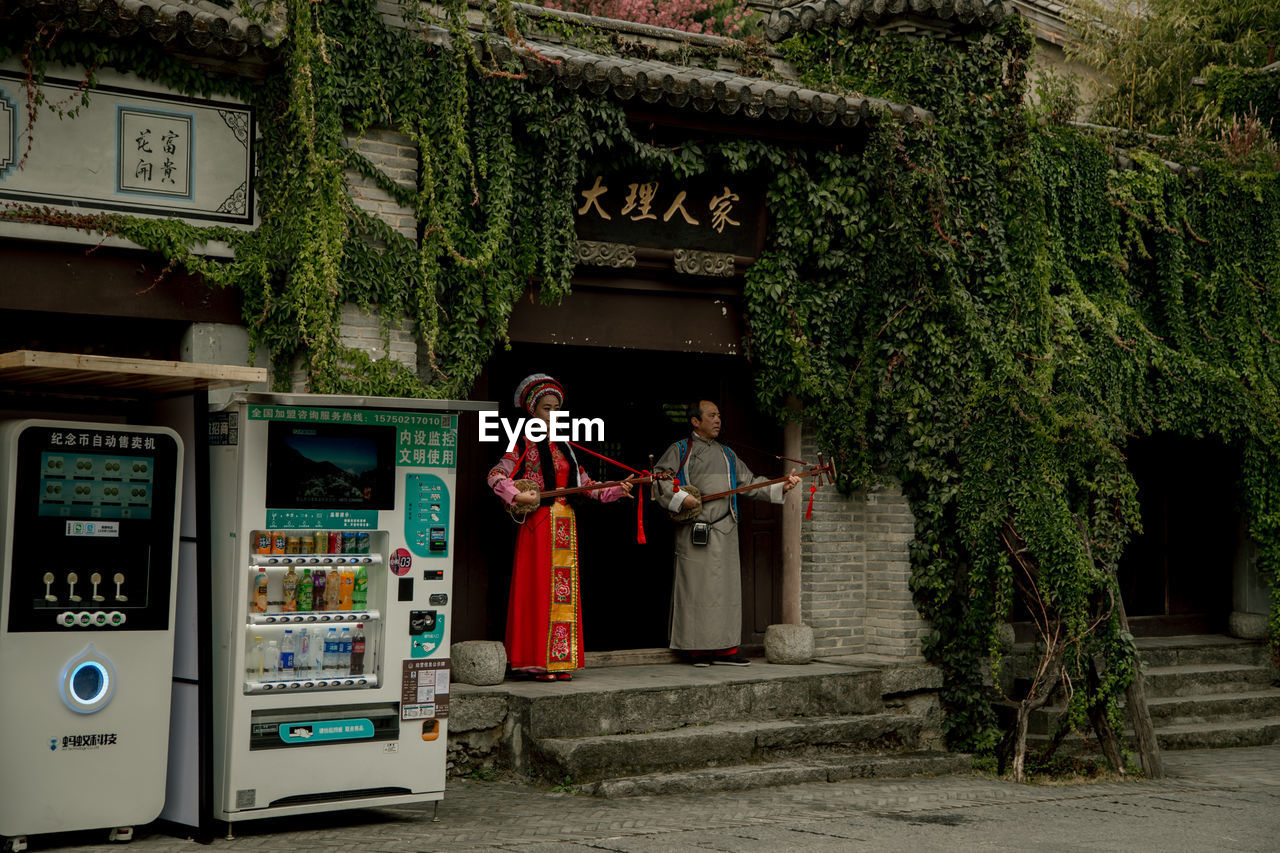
[[333, 529], [89, 537]]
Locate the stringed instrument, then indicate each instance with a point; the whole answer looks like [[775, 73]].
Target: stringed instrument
[[521, 510], [824, 473]]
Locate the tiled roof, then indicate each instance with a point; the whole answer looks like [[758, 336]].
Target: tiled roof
[[697, 89], [198, 26], [816, 14]]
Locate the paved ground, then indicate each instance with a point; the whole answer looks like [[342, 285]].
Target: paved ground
[[1213, 800]]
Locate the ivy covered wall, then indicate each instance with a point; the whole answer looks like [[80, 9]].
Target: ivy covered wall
[[984, 308]]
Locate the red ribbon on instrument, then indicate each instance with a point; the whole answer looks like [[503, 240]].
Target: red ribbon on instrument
[[640, 538], [808, 513]]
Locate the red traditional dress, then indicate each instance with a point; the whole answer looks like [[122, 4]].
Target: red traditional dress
[[544, 613]]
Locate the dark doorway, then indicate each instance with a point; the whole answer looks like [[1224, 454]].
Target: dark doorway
[[1176, 575], [640, 395]]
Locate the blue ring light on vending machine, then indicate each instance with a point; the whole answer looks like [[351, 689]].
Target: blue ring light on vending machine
[[88, 682]]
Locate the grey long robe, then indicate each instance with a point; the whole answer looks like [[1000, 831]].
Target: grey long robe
[[706, 595]]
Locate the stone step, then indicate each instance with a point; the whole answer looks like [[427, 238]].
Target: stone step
[[1200, 679], [1258, 732], [1169, 710], [652, 698], [1201, 649], [591, 759], [1214, 708], [793, 772]]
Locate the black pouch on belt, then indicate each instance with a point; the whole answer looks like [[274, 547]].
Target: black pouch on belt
[[701, 532]]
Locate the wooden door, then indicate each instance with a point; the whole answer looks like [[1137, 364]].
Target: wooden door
[[626, 586]]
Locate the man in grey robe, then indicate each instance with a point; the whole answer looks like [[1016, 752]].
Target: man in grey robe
[[706, 595]]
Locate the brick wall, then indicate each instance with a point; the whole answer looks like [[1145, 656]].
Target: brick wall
[[397, 157], [854, 570], [363, 331]]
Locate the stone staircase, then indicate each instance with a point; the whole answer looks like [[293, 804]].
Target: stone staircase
[[1204, 691], [659, 729]]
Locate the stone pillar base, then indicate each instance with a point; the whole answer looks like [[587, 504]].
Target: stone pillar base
[[1247, 626], [788, 644], [482, 662]]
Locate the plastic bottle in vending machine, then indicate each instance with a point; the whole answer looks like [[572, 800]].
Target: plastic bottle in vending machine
[[317, 595], [305, 586], [346, 587], [357, 651], [290, 591], [316, 645], [271, 662], [253, 660], [344, 653], [302, 655], [331, 646], [332, 590], [287, 652], [260, 591], [360, 590]]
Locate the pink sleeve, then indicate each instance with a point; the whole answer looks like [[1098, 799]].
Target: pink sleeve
[[500, 481], [603, 495]]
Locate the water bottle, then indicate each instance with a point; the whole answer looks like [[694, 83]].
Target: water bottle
[[344, 653], [287, 656], [331, 647], [271, 664], [357, 651], [253, 660], [301, 654], [316, 645]]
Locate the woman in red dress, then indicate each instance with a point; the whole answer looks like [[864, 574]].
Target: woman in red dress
[[544, 614]]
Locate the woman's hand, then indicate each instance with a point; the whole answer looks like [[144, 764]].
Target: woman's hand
[[529, 498], [626, 485]]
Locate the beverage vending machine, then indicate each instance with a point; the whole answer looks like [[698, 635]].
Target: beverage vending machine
[[333, 529], [89, 537]]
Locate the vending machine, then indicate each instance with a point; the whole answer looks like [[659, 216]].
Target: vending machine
[[333, 529], [89, 537]]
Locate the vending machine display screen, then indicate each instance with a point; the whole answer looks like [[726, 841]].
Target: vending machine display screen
[[330, 466], [93, 529]]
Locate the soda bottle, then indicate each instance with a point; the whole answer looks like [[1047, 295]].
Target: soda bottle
[[271, 663], [290, 591], [287, 655], [357, 651], [260, 591], [253, 660], [304, 591], [332, 588], [344, 653], [347, 581], [302, 655], [318, 596], [360, 590], [331, 646]]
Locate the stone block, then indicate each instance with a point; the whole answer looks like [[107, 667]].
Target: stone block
[[479, 662], [1248, 626], [788, 644], [470, 712]]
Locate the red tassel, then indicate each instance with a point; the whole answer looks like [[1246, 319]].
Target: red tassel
[[675, 486], [808, 513], [640, 540]]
